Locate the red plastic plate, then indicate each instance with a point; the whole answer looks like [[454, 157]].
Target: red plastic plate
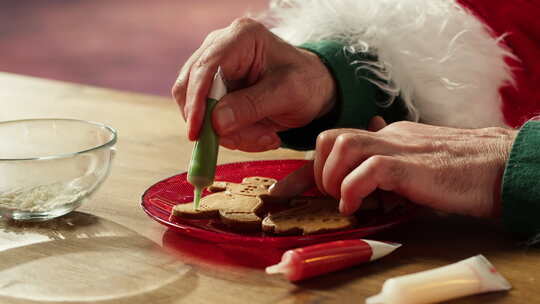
[[160, 198]]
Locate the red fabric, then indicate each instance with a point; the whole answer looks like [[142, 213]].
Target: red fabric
[[520, 21]]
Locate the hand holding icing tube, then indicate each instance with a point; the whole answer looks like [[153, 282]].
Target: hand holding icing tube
[[471, 276], [302, 263], [202, 167]]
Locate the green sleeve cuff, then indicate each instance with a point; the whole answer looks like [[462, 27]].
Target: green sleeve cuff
[[521, 183], [356, 96]]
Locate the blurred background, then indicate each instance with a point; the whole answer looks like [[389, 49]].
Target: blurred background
[[134, 45]]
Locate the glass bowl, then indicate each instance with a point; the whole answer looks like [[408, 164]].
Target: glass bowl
[[49, 167]]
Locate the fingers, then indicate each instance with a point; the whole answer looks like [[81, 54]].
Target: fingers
[[323, 147], [350, 164], [295, 183], [256, 138], [200, 81], [179, 89], [325, 144], [237, 49], [349, 151], [383, 172]]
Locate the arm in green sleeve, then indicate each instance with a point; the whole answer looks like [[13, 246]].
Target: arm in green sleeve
[[521, 183], [356, 100]]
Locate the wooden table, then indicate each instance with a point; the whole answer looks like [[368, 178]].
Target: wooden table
[[110, 251]]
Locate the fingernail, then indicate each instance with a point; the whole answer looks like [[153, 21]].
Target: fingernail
[[225, 117], [272, 189], [279, 190], [347, 209], [264, 141], [228, 143], [342, 207]]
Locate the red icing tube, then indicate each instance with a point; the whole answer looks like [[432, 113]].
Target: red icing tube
[[302, 263]]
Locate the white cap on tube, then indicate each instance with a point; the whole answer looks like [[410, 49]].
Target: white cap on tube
[[219, 88], [381, 249]]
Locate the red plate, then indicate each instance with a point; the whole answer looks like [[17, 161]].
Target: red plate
[[160, 198]]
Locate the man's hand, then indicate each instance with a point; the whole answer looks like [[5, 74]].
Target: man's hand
[[275, 86], [452, 170]]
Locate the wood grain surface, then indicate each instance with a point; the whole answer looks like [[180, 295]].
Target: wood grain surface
[[110, 251]]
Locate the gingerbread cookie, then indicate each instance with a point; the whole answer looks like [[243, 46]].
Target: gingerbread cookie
[[239, 206], [251, 186], [310, 215]]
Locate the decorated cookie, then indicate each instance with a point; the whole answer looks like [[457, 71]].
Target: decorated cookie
[[239, 206]]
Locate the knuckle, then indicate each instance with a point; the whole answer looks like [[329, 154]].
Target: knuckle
[[215, 37], [357, 141], [377, 162], [212, 35], [244, 27], [203, 61], [246, 23], [345, 141], [209, 58], [324, 137], [403, 124], [176, 91]]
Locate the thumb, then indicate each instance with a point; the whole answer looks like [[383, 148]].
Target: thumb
[[242, 108], [295, 183], [377, 123], [255, 138]]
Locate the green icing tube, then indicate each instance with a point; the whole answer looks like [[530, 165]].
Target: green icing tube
[[202, 167]]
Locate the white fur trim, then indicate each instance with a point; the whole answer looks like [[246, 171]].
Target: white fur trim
[[436, 55]]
